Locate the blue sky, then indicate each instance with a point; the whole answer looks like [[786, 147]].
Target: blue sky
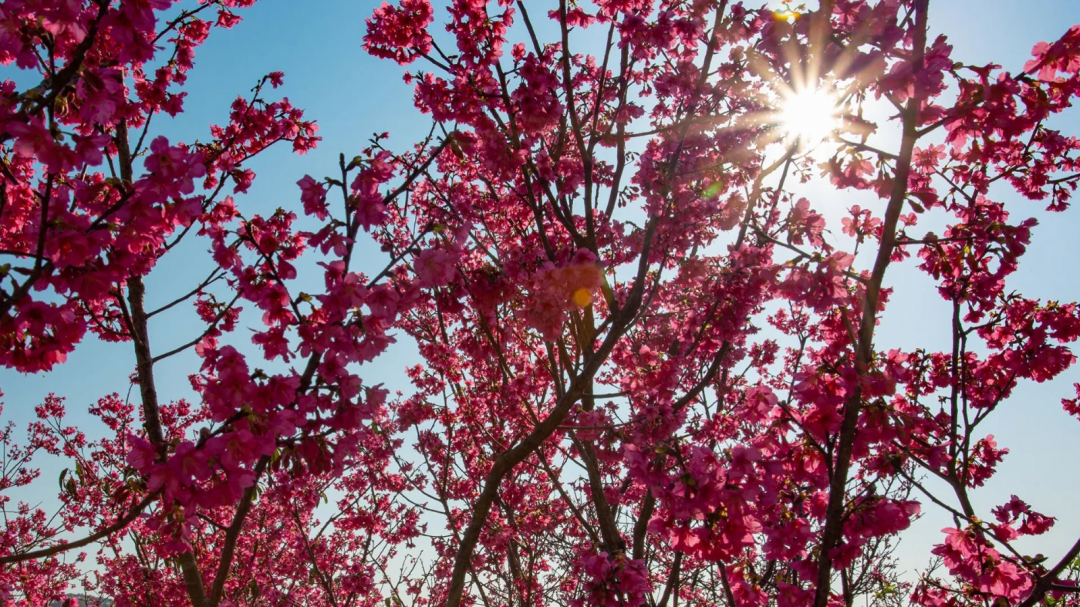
[[317, 43]]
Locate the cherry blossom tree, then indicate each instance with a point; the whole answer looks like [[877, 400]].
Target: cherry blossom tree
[[92, 201], [649, 366], [651, 376]]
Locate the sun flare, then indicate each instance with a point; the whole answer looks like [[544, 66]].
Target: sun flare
[[809, 116]]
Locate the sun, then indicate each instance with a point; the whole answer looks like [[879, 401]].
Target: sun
[[809, 116]]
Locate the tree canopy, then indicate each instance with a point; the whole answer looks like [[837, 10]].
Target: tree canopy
[[649, 369]]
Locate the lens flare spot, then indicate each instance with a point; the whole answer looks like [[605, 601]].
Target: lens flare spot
[[582, 297], [789, 16]]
